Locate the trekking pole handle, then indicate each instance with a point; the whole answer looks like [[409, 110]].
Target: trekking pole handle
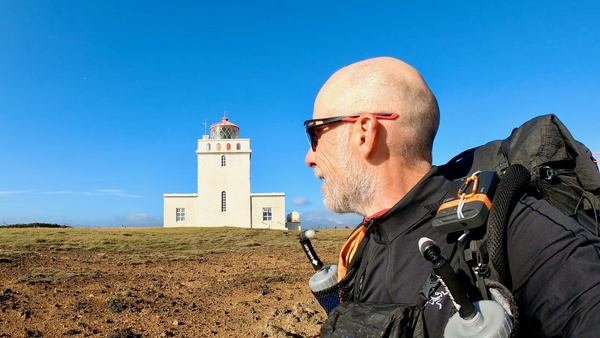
[[305, 237], [442, 268]]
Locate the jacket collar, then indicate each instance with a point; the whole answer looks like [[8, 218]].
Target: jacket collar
[[421, 201]]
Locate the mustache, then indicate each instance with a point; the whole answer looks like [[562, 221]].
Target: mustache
[[319, 173]]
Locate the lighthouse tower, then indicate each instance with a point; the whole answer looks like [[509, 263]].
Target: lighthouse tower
[[224, 197], [224, 177]]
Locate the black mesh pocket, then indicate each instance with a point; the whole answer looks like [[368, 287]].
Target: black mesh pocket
[[328, 298], [339, 293]]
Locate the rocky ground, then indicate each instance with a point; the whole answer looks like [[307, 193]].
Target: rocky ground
[[78, 293]]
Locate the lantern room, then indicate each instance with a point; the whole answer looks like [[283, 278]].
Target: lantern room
[[224, 130]]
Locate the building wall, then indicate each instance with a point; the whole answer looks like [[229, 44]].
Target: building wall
[[293, 226], [276, 201], [174, 201], [243, 209], [233, 179]]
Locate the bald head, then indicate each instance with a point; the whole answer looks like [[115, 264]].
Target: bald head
[[385, 85]]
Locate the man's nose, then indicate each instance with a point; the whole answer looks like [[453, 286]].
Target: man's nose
[[310, 158]]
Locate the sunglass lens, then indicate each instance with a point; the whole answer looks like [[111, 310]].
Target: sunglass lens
[[312, 139]]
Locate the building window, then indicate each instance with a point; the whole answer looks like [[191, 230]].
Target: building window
[[267, 214], [228, 146], [218, 146], [239, 146], [208, 146], [180, 212], [223, 201], [223, 161]]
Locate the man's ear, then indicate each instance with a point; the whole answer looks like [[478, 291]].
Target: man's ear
[[365, 133]]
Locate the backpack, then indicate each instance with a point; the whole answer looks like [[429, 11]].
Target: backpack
[[562, 169], [540, 158]]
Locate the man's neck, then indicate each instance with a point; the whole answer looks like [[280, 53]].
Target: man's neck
[[393, 185]]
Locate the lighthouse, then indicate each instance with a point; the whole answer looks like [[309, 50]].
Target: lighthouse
[[224, 197]]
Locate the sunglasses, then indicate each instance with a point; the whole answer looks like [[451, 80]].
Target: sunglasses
[[311, 125]]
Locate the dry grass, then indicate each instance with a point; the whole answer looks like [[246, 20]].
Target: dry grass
[[150, 244]]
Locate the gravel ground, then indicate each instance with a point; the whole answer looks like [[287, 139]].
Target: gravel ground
[[263, 293]]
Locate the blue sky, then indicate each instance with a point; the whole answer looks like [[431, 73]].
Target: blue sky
[[101, 103]]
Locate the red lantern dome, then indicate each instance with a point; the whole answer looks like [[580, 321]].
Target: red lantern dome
[[224, 130]]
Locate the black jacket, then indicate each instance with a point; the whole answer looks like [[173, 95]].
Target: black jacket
[[554, 264]]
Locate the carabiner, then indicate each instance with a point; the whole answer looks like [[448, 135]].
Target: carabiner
[[464, 186], [595, 160]]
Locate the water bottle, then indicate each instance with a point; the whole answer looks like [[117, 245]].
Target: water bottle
[[323, 283]]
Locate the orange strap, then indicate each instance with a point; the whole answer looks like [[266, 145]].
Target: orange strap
[[349, 250], [352, 244]]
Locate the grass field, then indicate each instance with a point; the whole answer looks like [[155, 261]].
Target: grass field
[[153, 243]]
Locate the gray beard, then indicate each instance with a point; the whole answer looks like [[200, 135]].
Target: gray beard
[[351, 189]]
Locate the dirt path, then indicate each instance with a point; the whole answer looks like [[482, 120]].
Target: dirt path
[[90, 294]]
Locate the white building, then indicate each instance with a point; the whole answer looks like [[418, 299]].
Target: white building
[[224, 197]]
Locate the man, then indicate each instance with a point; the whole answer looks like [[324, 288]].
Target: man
[[371, 138]]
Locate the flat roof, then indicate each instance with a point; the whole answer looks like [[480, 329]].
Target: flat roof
[[180, 195], [267, 194]]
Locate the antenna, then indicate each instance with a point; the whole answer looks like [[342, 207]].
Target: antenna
[[224, 113], [205, 124]]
